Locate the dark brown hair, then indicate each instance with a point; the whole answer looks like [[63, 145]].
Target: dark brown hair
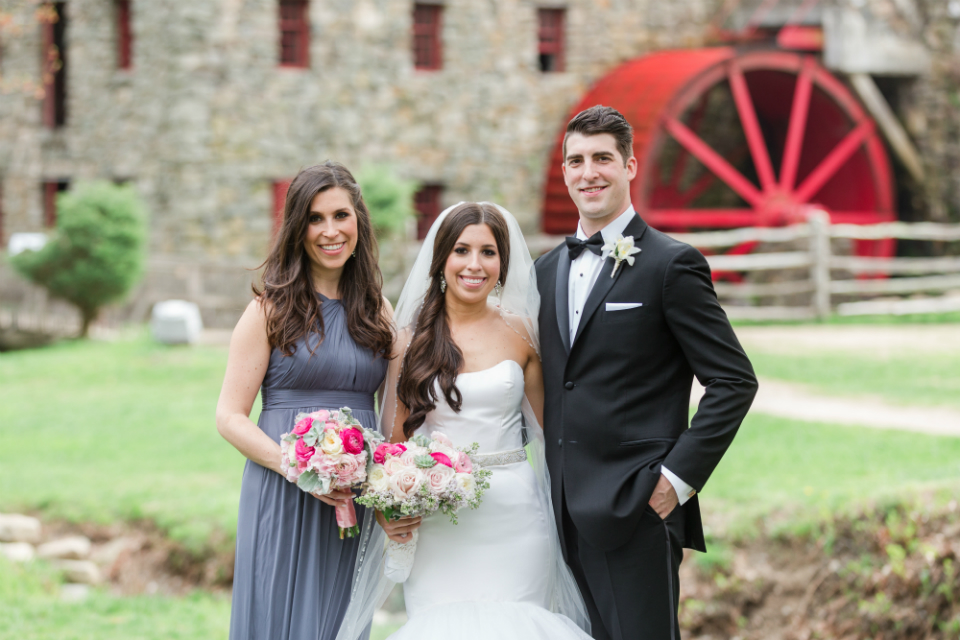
[[600, 119], [432, 353], [287, 283]]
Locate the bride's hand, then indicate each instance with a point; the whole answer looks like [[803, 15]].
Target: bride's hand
[[399, 530], [334, 498]]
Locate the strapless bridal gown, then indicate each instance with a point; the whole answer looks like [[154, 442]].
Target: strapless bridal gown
[[490, 575]]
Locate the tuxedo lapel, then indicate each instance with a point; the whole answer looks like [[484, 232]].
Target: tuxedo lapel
[[562, 296], [604, 282]]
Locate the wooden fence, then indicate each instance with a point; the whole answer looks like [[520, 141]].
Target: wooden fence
[[828, 282]]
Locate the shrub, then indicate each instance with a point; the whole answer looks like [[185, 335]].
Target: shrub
[[389, 198], [96, 254]]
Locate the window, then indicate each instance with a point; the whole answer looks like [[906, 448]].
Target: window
[[550, 35], [294, 33], [50, 190], [124, 35], [55, 67], [427, 203], [280, 188], [427, 52]]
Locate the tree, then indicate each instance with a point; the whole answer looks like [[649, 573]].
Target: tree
[[96, 254], [389, 198]]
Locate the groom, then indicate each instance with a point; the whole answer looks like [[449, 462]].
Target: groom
[[621, 344]]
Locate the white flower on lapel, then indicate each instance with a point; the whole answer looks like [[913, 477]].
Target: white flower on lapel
[[621, 249]]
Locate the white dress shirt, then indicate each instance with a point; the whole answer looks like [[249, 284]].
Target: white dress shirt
[[583, 274]]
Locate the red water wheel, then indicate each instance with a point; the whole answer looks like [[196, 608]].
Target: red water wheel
[[727, 139]]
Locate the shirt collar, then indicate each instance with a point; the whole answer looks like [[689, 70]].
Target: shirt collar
[[614, 229]]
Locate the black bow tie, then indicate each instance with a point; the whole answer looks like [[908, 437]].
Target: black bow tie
[[575, 246]]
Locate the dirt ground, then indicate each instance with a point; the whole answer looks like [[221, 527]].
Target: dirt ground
[[879, 341]]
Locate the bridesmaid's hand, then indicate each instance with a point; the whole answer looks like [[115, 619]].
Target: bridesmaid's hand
[[334, 498], [399, 530]]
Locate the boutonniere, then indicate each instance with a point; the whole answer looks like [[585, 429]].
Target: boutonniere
[[620, 249]]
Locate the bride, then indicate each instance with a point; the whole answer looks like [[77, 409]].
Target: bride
[[466, 365]]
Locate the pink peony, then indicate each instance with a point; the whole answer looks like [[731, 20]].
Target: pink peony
[[439, 478], [323, 415], [442, 458], [331, 425], [347, 469], [352, 440], [303, 426], [463, 464], [387, 449], [303, 452], [322, 465], [442, 439]]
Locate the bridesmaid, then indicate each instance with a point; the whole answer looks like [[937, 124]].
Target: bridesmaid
[[314, 338]]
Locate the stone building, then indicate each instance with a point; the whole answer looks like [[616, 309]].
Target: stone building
[[208, 106]]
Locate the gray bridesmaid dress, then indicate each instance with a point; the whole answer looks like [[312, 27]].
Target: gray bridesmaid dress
[[293, 574]]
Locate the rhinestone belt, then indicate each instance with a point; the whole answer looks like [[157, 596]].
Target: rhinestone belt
[[503, 457]]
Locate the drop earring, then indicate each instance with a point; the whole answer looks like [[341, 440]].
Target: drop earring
[[354, 253], [443, 284], [498, 288]]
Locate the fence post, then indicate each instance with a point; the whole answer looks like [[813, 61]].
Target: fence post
[[819, 222]]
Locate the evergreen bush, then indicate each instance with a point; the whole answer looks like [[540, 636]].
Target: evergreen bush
[[389, 198], [96, 254]]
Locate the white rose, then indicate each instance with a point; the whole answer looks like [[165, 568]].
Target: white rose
[[466, 484], [331, 444], [377, 478]]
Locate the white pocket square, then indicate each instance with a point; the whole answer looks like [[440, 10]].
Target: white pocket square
[[622, 306]]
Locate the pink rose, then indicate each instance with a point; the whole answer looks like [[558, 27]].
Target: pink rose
[[441, 438], [406, 483], [323, 415], [463, 464], [409, 458], [393, 466], [442, 458], [303, 426], [352, 440], [438, 479], [303, 452], [331, 425]]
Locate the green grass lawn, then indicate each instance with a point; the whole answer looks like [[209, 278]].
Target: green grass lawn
[[921, 379], [31, 609], [99, 431], [102, 431]]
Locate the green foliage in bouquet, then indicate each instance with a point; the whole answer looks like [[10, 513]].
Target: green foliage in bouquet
[[96, 254], [389, 198]]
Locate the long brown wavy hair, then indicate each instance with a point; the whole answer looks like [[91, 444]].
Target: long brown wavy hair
[[432, 353], [287, 283]]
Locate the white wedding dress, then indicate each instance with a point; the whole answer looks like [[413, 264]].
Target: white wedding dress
[[489, 576]]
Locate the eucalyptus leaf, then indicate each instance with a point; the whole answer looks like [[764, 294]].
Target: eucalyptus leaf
[[309, 481]]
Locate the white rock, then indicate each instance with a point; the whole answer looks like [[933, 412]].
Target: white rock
[[176, 322], [72, 548], [107, 553], [17, 551], [19, 528], [74, 592], [81, 571]]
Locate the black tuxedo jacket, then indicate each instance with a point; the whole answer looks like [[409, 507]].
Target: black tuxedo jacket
[[617, 399]]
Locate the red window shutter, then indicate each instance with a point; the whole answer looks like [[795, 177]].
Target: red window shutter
[[427, 46], [551, 37], [280, 188], [55, 66], [427, 203], [124, 35], [50, 190], [294, 33]]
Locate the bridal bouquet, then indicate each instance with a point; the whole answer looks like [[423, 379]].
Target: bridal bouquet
[[327, 451], [417, 478]]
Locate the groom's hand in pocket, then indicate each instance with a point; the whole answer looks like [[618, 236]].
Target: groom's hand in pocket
[[664, 499], [399, 530]]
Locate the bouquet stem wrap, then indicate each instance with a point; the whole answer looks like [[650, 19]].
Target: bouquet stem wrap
[[347, 520]]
